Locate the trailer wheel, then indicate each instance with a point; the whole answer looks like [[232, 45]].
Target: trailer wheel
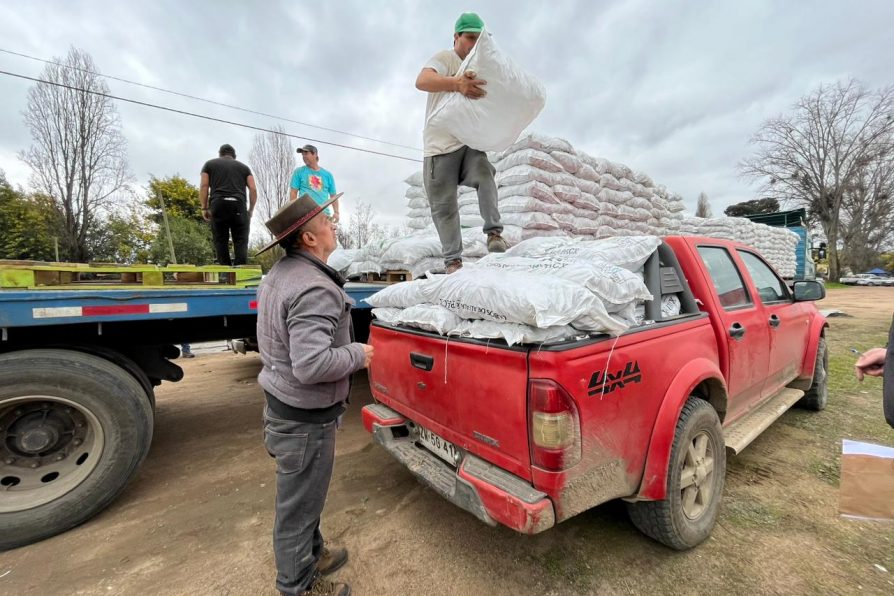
[[695, 478], [818, 394], [74, 427]]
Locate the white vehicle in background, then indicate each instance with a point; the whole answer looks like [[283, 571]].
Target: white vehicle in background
[[867, 279]]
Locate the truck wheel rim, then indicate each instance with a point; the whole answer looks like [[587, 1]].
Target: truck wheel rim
[[48, 446], [697, 476]]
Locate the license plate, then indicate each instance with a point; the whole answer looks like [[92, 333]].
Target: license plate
[[437, 445]]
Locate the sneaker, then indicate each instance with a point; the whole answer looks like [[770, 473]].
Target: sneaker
[[332, 560], [322, 587], [188, 355], [496, 243], [454, 266]]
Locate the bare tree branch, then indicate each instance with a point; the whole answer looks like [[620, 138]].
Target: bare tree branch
[[79, 155], [272, 161], [834, 137]]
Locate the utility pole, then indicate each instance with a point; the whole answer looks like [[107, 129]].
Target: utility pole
[[164, 215]]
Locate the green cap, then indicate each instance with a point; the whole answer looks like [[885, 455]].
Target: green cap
[[469, 22]]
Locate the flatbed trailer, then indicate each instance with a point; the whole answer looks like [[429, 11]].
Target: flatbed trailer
[[81, 350]]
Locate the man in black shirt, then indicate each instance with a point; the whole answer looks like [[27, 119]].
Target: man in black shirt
[[227, 178]]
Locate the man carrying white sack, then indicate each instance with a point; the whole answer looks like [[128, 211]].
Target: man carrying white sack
[[449, 163]]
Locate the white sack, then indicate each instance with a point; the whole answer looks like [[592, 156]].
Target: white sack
[[492, 123], [341, 258], [399, 295], [515, 333], [529, 157], [519, 297], [614, 285]]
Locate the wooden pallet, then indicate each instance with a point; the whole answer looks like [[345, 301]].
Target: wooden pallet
[[395, 276], [36, 275]]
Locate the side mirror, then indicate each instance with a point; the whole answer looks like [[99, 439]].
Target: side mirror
[[806, 290]]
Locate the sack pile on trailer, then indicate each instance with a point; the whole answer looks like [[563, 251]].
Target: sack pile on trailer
[[777, 245], [540, 290], [547, 188]]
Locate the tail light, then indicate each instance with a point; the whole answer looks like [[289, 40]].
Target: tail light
[[554, 426]]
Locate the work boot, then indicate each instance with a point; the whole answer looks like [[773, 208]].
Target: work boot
[[454, 266], [324, 587], [332, 560], [496, 243]]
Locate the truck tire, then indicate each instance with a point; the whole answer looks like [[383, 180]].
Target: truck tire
[[74, 427], [695, 478], [818, 395]]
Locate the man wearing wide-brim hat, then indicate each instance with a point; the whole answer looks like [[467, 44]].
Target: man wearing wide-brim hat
[[306, 343]]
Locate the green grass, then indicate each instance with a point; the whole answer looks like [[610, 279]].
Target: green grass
[[834, 285], [751, 514]]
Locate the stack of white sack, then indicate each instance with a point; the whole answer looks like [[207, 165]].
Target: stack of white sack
[[542, 289], [547, 188], [417, 253], [777, 245]]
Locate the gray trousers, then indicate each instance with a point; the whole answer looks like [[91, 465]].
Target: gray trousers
[[442, 175], [305, 455]]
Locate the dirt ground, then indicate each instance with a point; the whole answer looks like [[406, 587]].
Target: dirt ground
[[197, 519]]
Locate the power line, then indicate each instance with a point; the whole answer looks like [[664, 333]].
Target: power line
[[217, 103], [204, 117]]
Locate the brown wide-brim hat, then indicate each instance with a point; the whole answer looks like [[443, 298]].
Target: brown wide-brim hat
[[292, 216]]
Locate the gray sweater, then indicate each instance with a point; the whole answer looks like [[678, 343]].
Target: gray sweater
[[304, 333]]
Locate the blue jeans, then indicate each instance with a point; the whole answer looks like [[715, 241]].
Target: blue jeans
[[305, 456]]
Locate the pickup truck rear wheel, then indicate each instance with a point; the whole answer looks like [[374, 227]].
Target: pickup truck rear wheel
[[818, 394], [73, 429], [695, 478]]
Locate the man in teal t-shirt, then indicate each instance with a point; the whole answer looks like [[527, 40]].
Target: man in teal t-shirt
[[313, 180]]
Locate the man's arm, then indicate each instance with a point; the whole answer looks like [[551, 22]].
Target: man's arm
[[332, 193], [203, 196], [252, 195], [429, 80], [335, 206], [312, 322]]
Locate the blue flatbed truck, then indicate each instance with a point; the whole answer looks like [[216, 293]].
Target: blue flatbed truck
[[78, 368]]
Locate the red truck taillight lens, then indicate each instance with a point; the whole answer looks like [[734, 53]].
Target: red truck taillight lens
[[554, 426]]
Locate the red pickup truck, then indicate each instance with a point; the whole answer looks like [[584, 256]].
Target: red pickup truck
[[528, 436]]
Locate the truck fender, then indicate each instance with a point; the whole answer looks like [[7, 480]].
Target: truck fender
[[817, 328], [653, 486]]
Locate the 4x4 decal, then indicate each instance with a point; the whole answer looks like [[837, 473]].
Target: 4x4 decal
[[603, 382]]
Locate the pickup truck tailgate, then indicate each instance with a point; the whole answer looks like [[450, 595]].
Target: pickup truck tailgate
[[470, 393]]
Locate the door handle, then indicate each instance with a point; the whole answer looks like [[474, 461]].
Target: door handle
[[736, 331], [774, 321], [421, 361]]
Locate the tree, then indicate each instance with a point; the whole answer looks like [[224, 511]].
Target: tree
[[703, 208], [191, 240], [812, 156], [361, 229], [272, 162], [753, 207], [887, 260], [181, 198], [28, 224], [190, 234], [78, 155], [126, 237], [867, 215]]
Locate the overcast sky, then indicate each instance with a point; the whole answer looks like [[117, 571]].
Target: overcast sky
[[671, 88]]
